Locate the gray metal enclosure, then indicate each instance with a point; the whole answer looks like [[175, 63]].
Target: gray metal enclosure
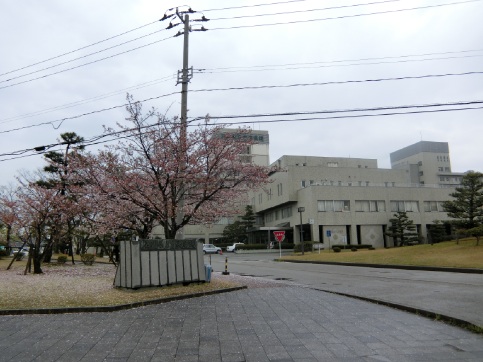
[[158, 262]]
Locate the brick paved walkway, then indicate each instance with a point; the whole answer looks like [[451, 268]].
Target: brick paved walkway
[[278, 323]]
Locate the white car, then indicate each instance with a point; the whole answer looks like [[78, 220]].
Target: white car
[[211, 249], [232, 248], [19, 254]]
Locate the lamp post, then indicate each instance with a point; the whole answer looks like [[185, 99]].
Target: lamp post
[[301, 210]]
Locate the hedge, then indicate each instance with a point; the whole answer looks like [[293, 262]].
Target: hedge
[[358, 246], [307, 246], [263, 246]]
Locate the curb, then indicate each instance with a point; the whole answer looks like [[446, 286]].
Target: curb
[[115, 308], [422, 312], [387, 266]]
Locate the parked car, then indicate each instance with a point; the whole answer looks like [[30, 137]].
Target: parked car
[[19, 254], [232, 248], [211, 249]]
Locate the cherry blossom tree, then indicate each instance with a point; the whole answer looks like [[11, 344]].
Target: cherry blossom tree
[[157, 175], [37, 210], [8, 202]]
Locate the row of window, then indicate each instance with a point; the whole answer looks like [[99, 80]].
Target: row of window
[[360, 206], [306, 183], [283, 213], [378, 206], [445, 169], [452, 179]]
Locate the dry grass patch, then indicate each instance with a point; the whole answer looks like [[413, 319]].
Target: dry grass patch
[[79, 285], [448, 254]]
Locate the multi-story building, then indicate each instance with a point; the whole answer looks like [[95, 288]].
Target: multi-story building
[[427, 163], [350, 200]]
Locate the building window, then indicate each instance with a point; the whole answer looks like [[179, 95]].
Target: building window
[[433, 206], [332, 164], [303, 183], [269, 194], [404, 206], [440, 169], [279, 189], [286, 212], [260, 198], [269, 217], [224, 221], [333, 205], [370, 206]]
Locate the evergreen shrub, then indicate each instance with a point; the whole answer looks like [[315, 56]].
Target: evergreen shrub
[[62, 258], [88, 259]]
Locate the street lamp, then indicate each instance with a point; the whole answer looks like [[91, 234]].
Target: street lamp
[[301, 210]]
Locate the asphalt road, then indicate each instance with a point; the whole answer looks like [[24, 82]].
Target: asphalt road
[[457, 295]]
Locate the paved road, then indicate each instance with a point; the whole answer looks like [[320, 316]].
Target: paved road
[[456, 295], [279, 323], [269, 321]]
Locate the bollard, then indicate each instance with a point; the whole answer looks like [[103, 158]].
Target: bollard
[[226, 267]]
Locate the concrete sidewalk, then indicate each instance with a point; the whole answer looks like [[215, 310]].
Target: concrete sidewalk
[[276, 322]]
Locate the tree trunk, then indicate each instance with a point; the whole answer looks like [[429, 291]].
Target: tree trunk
[[36, 258], [47, 254]]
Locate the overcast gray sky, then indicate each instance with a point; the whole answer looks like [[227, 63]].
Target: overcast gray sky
[[323, 55]]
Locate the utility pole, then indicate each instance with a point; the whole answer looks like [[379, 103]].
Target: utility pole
[[184, 76]]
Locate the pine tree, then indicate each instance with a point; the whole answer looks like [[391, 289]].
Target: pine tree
[[402, 230], [467, 206]]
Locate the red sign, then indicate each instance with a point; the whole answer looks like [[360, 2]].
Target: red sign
[[279, 235]]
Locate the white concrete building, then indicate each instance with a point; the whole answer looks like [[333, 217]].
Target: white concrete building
[[350, 200]]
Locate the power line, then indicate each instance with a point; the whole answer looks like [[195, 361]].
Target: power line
[[353, 116], [81, 57], [76, 50], [463, 105], [83, 114], [83, 65], [341, 16], [338, 82], [256, 5], [315, 65], [377, 80], [307, 10], [84, 101], [349, 110], [254, 68], [288, 66], [221, 28], [351, 60]]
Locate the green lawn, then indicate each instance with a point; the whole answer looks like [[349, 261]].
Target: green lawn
[[447, 254]]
